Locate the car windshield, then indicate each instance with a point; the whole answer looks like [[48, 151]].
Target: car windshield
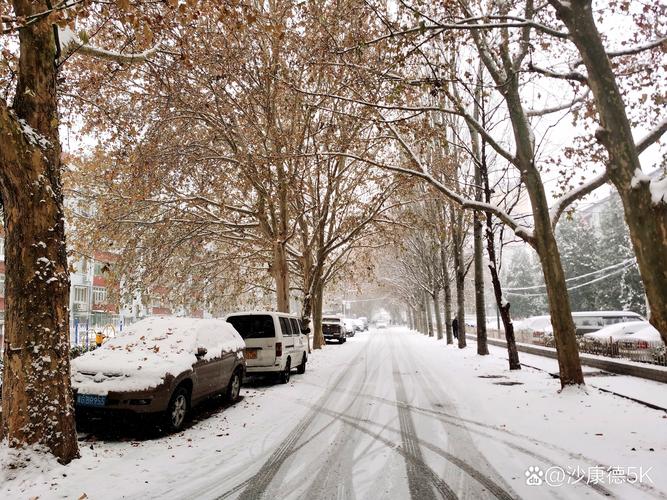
[[253, 326]]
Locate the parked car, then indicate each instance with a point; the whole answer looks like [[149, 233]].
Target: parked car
[[334, 329], [160, 366], [364, 323], [380, 325], [276, 343], [593, 321], [618, 331], [350, 327], [645, 338], [584, 322]]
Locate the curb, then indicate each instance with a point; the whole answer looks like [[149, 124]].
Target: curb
[[621, 368]]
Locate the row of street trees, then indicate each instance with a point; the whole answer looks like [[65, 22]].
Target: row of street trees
[[247, 150]]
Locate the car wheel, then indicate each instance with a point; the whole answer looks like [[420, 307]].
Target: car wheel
[[177, 411], [301, 369], [285, 374], [234, 387], [342, 340]]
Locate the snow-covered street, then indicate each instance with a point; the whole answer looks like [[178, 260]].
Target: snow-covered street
[[390, 414]]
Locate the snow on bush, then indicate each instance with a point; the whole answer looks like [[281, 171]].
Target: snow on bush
[[143, 355]]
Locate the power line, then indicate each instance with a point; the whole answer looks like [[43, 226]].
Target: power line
[[614, 273], [575, 278]]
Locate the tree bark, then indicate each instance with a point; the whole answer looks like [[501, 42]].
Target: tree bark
[[436, 310], [447, 288], [318, 336], [457, 247], [502, 305], [281, 276], [647, 221], [37, 406], [543, 240], [429, 317], [480, 306]]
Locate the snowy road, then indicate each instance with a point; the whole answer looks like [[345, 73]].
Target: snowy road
[[388, 415], [364, 437]]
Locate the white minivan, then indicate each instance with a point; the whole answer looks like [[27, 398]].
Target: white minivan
[[275, 342]]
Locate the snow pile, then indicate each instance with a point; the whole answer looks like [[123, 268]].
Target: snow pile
[[150, 350], [658, 191]]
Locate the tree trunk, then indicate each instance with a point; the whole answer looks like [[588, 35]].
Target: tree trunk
[[436, 310], [457, 244], [543, 238], [480, 306], [502, 305], [647, 221], [429, 316], [423, 324], [318, 336], [37, 406], [281, 276], [447, 287]]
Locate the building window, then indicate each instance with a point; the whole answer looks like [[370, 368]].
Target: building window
[[80, 295], [81, 266], [99, 295], [100, 268], [156, 302]]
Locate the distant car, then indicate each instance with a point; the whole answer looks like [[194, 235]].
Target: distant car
[[645, 338], [380, 325], [350, 326], [364, 323], [537, 326], [276, 343], [592, 321], [160, 366], [334, 329], [584, 322], [616, 332]]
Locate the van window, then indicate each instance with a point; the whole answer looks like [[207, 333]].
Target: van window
[[587, 321], [253, 326], [285, 326], [296, 326]]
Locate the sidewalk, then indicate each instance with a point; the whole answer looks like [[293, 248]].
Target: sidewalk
[[641, 389]]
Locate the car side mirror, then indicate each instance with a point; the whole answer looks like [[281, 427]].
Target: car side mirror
[[305, 331], [201, 352]]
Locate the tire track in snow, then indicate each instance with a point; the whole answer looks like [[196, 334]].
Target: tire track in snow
[[425, 386], [255, 487], [420, 476], [325, 481]]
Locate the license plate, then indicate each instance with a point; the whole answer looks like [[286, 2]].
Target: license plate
[[90, 400], [250, 354]]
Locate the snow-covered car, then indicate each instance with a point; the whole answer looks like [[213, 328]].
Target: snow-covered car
[[616, 332], [645, 338], [584, 321], [350, 326], [593, 321], [334, 329], [161, 366], [537, 326], [276, 343]]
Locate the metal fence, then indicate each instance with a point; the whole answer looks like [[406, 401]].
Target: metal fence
[[642, 351]]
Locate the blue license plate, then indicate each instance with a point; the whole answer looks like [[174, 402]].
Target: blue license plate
[[90, 400]]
